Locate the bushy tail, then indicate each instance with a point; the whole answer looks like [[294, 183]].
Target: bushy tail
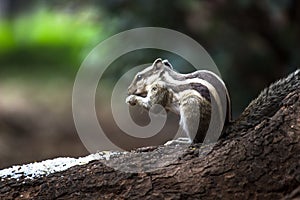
[[267, 103]]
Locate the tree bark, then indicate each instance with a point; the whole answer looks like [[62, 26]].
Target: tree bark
[[261, 161]]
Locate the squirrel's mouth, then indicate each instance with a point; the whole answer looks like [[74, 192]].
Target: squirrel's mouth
[[137, 93], [142, 94]]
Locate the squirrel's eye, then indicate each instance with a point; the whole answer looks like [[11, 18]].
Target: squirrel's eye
[[139, 77]]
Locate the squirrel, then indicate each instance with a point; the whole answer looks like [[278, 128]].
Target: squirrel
[[160, 84], [187, 95]]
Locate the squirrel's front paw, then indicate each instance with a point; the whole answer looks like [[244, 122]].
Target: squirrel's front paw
[[131, 100]]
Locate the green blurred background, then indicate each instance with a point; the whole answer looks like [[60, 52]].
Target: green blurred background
[[42, 44]]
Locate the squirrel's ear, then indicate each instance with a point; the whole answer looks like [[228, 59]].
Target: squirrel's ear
[[158, 63], [167, 63]]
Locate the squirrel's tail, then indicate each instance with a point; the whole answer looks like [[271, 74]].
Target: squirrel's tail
[[267, 103]]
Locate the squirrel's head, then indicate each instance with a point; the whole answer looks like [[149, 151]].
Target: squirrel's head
[[144, 79]]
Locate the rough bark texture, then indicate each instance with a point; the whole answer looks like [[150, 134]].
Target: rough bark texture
[[259, 161]]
